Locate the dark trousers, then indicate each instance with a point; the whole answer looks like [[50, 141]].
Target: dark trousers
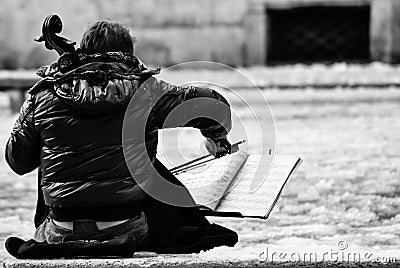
[[164, 218]]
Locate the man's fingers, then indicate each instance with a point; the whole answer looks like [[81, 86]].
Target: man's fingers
[[220, 154], [225, 144], [218, 148], [222, 149]]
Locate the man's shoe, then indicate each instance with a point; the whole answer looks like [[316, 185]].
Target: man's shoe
[[13, 244]]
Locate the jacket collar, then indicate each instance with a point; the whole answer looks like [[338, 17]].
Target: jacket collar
[[96, 83], [70, 61]]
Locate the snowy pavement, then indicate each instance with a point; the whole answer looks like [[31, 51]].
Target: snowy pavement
[[346, 191]]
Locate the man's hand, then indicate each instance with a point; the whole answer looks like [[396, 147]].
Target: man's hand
[[218, 147]]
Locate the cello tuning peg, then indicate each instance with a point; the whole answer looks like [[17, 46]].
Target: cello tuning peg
[[39, 39]]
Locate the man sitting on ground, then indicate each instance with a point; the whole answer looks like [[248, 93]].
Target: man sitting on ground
[[70, 127]]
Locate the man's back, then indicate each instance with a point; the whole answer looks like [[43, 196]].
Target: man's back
[[77, 126]]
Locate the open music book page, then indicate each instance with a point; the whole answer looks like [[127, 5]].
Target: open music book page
[[260, 202], [208, 183]]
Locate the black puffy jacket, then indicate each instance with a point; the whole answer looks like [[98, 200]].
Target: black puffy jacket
[[71, 127]]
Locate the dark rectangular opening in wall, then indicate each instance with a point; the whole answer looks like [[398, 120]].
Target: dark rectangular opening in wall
[[318, 34]]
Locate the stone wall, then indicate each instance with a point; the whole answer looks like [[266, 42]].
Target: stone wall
[[168, 31], [174, 31]]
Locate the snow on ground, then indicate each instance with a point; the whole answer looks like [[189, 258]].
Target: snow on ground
[[287, 75], [346, 191], [348, 186]]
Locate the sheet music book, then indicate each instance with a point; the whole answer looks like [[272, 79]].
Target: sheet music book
[[223, 187]]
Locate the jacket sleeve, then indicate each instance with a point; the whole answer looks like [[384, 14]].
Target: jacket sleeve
[[188, 106], [23, 147]]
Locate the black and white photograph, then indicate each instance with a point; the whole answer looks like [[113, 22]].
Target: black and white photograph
[[199, 133]]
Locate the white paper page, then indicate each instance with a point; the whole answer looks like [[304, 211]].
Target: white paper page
[[208, 183], [259, 203]]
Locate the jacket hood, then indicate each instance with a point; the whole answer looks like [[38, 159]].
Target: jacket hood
[[97, 83]]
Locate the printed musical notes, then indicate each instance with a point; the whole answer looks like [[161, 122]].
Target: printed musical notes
[[224, 185], [207, 184], [258, 203]]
